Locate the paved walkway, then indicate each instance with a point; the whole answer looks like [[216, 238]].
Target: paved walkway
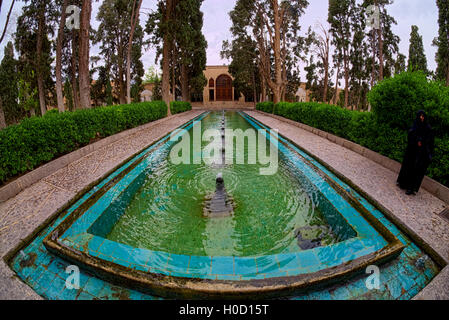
[[31, 208]]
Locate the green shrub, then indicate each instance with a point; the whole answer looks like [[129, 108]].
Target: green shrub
[[395, 101], [179, 107], [38, 140], [439, 168], [265, 106]]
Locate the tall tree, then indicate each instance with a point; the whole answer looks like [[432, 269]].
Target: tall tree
[[192, 47], [442, 42], [244, 66], [114, 35], [9, 88], [175, 30], [320, 46], [34, 28], [84, 54], [340, 18], [360, 61], [416, 57], [135, 14], [384, 43], [168, 11], [275, 27], [245, 58]]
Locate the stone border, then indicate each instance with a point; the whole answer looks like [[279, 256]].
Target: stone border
[[13, 188], [433, 187]]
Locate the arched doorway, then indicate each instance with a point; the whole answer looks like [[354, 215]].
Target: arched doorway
[[223, 88]]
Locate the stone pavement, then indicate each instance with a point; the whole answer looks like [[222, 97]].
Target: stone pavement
[[33, 207]]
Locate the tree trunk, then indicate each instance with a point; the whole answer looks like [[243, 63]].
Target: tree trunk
[[75, 91], [58, 68], [120, 81], [173, 75], [185, 83], [2, 116], [254, 88], [447, 75], [381, 55], [39, 73], [381, 47], [277, 90], [346, 66], [167, 47], [134, 20], [326, 80], [373, 67], [263, 91], [84, 76], [336, 85]]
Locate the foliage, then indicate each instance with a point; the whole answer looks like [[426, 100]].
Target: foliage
[[365, 129], [37, 140], [417, 60], [396, 100], [9, 87], [179, 107], [442, 55], [267, 106]]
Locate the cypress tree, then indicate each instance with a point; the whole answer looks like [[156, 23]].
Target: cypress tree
[[416, 57], [442, 42]]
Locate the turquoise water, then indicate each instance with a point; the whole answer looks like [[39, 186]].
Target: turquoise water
[[166, 213]]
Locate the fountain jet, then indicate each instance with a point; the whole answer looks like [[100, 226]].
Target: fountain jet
[[220, 205]]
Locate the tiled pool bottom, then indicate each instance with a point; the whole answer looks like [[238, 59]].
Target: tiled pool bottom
[[45, 273]]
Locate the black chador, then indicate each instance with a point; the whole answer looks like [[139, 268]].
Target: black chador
[[417, 156]]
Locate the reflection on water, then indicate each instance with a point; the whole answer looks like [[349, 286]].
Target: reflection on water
[[166, 214]]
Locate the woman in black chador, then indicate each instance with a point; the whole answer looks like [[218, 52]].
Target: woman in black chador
[[417, 156]]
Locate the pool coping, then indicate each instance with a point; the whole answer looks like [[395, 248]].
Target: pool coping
[[182, 287]]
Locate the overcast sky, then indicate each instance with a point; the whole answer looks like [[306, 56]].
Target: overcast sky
[[423, 13]]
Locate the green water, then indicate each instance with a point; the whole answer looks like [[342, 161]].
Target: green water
[[166, 213]]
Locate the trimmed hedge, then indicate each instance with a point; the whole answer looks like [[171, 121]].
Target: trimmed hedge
[[179, 107], [266, 106], [364, 129], [38, 140]]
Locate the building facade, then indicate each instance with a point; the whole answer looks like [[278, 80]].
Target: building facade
[[219, 91]]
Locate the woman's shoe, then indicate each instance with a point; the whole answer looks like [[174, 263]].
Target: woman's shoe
[[410, 193]]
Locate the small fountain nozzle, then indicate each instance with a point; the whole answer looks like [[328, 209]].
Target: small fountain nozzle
[[220, 204]]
